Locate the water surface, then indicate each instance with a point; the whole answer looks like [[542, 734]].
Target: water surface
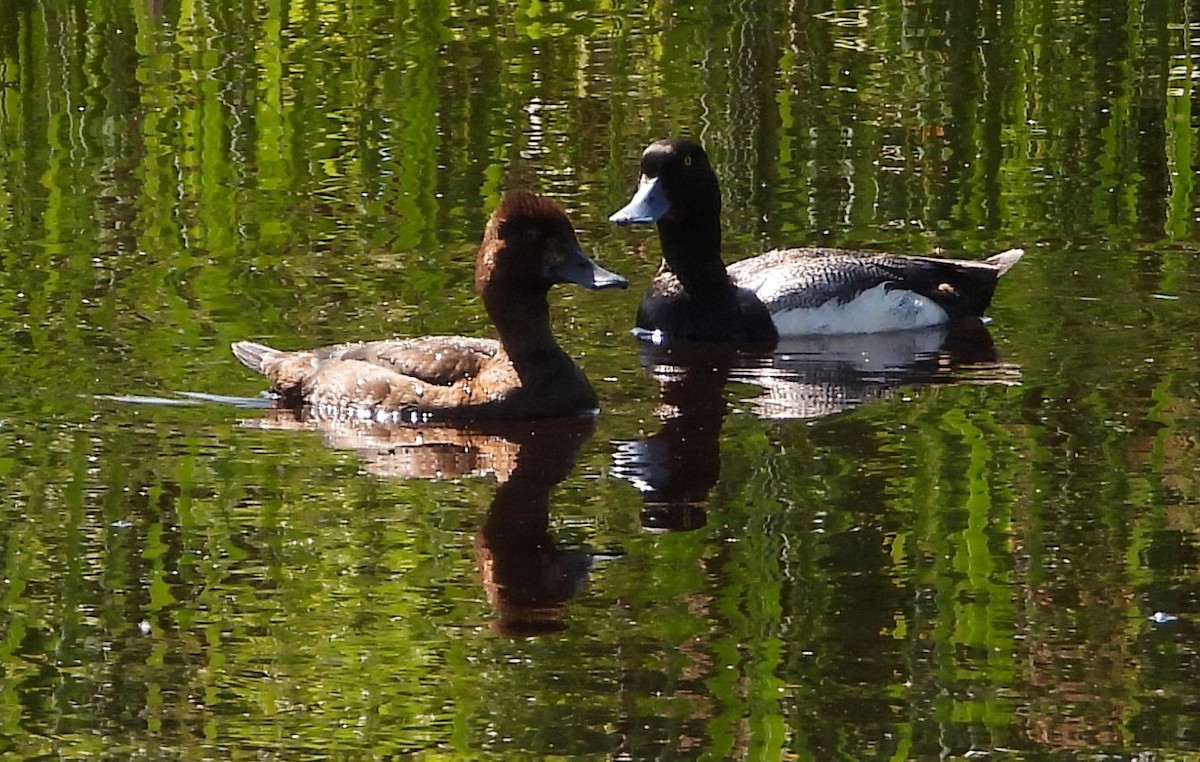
[[914, 547]]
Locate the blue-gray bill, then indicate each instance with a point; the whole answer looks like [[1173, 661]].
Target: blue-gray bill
[[647, 205], [579, 269]]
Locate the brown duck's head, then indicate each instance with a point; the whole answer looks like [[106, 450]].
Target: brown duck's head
[[529, 245]]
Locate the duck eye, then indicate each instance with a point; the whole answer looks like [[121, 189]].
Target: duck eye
[[687, 161]]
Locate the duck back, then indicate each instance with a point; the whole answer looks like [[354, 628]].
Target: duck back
[[830, 291]]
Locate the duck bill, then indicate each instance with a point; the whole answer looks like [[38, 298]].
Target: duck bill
[[579, 269], [647, 205]]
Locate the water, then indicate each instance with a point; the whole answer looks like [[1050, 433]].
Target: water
[[912, 547]]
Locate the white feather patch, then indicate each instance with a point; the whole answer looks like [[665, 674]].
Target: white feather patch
[[874, 310]]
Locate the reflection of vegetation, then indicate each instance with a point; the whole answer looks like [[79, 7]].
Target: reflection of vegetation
[[969, 567]]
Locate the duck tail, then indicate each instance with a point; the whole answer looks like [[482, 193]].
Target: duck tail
[[251, 354], [1004, 261]]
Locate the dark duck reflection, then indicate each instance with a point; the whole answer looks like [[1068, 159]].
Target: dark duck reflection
[[816, 376], [527, 577], [803, 378], [675, 468]]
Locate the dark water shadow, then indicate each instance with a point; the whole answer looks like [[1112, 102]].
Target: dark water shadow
[[801, 378], [527, 577]]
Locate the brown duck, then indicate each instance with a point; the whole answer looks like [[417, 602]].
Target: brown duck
[[528, 246]]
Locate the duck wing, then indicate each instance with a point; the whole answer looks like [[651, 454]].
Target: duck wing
[[790, 279], [439, 360]]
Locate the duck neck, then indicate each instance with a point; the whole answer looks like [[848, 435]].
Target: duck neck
[[524, 328], [692, 252]]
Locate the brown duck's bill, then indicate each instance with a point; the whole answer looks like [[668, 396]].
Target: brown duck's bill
[[579, 269]]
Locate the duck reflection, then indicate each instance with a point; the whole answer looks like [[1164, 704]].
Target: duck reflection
[[675, 468], [801, 378], [816, 376], [528, 579]]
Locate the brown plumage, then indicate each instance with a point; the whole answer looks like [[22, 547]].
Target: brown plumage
[[528, 246]]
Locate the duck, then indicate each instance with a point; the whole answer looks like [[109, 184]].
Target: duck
[[791, 292], [529, 245]]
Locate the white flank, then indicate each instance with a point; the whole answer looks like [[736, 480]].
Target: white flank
[[874, 310]]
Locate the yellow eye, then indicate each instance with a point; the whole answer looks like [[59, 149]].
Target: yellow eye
[[687, 161]]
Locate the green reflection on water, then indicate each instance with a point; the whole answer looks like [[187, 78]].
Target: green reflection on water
[[950, 566]]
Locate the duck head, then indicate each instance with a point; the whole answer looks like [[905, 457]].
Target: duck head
[[529, 245], [677, 182]]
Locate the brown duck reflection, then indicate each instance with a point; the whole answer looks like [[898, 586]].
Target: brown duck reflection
[[801, 378], [528, 579]]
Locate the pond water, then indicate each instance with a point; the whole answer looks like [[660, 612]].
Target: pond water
[[907, 547]]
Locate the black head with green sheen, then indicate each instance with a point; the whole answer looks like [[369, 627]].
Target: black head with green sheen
[[677, 183]]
